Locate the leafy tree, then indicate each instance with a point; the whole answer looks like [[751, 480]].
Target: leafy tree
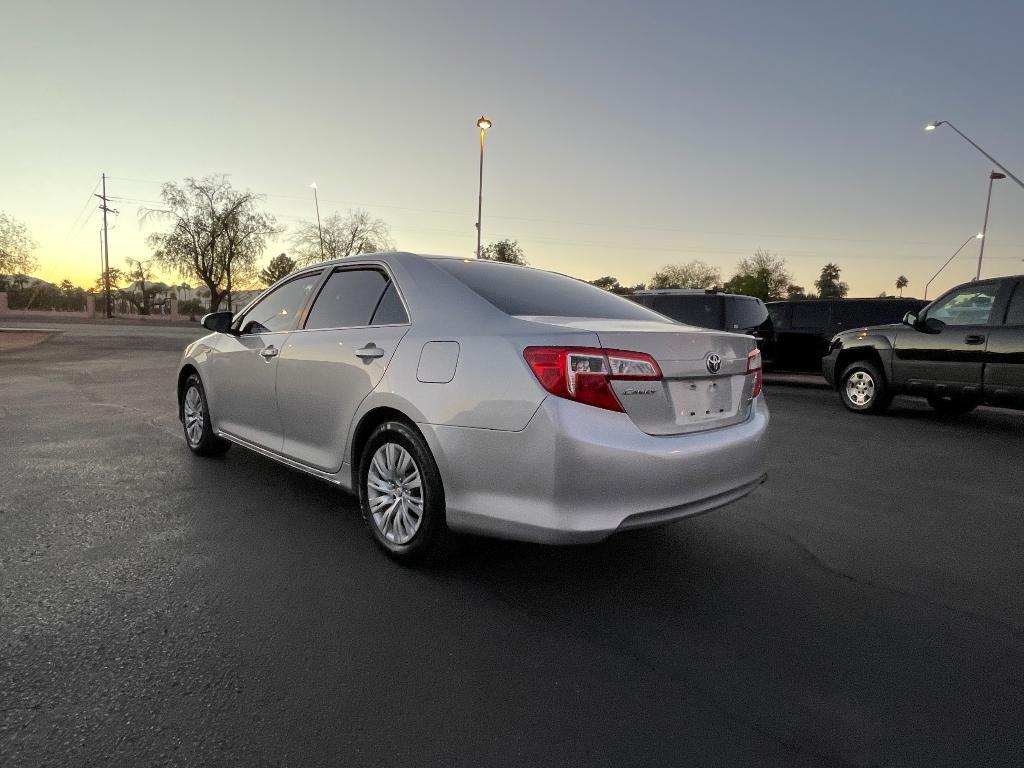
[[763, 275], [901, 283], [612, 284], [216, 233], [350, 235], [828, 284], [695, 274], [279, 266], [507, 251], [796, 292], [16, 246]]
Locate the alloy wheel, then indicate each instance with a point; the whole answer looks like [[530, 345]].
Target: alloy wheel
[[394, 491], [192, 413], [860, 388]]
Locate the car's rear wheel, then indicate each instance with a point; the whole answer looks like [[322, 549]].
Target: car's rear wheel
[[863, 389], [401, 495], [195, 419], [952, 406]]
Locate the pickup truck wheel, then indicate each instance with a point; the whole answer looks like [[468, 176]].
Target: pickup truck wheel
[[952, 406], [863, 389]]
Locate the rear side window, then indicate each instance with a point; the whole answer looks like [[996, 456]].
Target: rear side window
[[1015, 312], [700, 309], [780, 315], [810, 315], [348, 299], [524, 291], [390, 310]]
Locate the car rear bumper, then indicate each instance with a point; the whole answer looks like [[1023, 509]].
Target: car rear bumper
[[576, 473]]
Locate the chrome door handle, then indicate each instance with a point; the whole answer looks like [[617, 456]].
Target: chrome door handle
[[269, 352], [370, 351]]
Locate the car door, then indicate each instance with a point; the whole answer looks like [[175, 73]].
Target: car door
[[244, 368], [945, 352], [1004, 357], [329, 366]]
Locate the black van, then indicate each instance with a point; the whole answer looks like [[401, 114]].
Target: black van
[[797, 333], [706, 308]]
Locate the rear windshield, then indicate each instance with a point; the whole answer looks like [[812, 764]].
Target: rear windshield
[[524, 291], [703, 310], [744, 312]]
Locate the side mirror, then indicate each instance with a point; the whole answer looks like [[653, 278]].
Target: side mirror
[[218, 322], [910, 319]]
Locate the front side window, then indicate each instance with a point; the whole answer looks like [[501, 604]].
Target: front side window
[[276, 311], [970, 305], [349, 299]]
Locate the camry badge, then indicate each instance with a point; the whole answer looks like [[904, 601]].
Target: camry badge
[[714, 363]]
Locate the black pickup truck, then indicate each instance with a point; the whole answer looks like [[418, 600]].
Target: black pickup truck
[[964, 349]]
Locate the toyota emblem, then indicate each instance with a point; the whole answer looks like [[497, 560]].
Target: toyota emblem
[[714, 363]]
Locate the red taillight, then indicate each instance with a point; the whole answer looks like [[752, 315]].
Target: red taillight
[[754, 367], [584, 374]]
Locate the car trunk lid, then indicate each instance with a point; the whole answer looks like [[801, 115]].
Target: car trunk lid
[[704, 385]]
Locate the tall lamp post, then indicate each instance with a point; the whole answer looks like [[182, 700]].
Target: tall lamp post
[[978, 236], [483, 124], [984, 227], [937, 123], [319, 230]]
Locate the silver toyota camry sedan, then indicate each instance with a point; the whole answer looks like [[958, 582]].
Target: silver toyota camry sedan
[[462, 395]]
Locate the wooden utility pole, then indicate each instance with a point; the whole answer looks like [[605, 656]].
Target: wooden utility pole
[[106, 249]]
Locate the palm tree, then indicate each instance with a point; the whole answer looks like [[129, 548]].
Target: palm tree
[[901, 283]]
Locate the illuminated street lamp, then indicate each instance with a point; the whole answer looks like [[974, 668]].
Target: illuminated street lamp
[[483, 124], [978, 236], [937, 123], [984, 227], [320, 231]]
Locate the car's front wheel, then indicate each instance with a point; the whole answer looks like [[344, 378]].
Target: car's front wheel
[[863, 389], [952, 406], [195, 419], [401, 495]]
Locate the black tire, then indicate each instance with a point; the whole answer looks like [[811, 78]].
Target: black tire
[[430, 539], [952, 406], [863, 388], [198, 428]]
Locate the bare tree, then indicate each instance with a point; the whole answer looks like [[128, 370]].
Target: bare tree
[[16, 246], [217, 233], [695, 274], [350, 235]]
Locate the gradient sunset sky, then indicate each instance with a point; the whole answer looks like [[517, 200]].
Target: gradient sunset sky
[[626, 135]]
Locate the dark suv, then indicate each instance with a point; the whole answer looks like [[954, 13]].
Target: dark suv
[[706, 308], [797, 333], [964, 349]]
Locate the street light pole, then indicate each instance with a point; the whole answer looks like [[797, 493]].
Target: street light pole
[[319, 230], [1000, 166], [483, 124], [984, 227], [978, 236]]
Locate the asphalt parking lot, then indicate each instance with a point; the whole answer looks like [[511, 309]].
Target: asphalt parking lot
[[863, 608]]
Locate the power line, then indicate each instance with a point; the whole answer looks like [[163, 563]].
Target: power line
[[85, 207]]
